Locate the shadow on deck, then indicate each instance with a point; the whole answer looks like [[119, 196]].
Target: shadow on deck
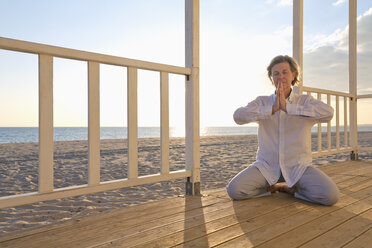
[[214, 220]]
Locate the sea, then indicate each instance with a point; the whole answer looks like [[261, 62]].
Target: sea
[[31, 134]]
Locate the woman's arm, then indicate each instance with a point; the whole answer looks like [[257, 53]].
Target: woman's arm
[[256, 110], [311, 108]]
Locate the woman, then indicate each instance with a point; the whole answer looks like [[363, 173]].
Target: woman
[[284, 141]]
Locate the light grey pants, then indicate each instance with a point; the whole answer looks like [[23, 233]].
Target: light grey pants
[[314, 186]]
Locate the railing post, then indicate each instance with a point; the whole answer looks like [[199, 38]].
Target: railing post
[[319, 129], [46, 180], [132, 124], [164, 115], [93, 124], [353, 77], [192, 96]]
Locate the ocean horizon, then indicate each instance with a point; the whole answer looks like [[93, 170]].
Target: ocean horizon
[[31, 134]]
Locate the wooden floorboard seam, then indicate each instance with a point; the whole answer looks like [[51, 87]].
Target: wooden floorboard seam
[[351, 241], [319, 217], [191, 227], [283, 206], [356, 193]]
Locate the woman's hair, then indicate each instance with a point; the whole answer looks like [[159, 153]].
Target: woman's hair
[[292, 63]]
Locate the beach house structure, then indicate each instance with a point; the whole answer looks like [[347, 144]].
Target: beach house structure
[[195, 212]]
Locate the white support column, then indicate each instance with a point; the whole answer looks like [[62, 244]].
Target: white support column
[[353, 77], [298, 34], [164, 115], [46, 123], [132, 124], [93, 124], [192, 96]]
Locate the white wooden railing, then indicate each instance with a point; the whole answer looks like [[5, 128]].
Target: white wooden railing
[[349, 132], [346, 99], [46, 54], [361, 97]]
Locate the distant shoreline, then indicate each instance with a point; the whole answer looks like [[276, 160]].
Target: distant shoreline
[[10, 135]]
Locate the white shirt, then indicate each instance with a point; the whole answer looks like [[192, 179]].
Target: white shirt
[[284, 139]]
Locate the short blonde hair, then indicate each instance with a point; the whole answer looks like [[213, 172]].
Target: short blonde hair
[[292, 64]]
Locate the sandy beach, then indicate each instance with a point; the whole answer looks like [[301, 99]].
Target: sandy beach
[[222, 157]]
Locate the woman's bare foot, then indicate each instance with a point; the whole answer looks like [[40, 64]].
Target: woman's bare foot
[[282, 187]]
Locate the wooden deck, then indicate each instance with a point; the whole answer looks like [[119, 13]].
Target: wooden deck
[[213, 220]]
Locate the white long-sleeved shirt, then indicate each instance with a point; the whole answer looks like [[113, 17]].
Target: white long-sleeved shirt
[[284, 139]]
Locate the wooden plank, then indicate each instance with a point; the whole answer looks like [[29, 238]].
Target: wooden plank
[[231, 221], [198, 234], [349, 229], [364, 96], [329, 140], [353, 73], [124, 222], [344, 167], [345, 123], [319, 226], [191, 227], [93, 124], [319, 128], [164, 115], [298, 34], [36, 48], [132, 123], [337, 123], [158, 227], [27, 198], [362, 241], [323, 91], [46, 178], [250, 238], [149, 208]]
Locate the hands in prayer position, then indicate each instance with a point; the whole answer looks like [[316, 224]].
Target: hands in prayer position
[[280, 102]]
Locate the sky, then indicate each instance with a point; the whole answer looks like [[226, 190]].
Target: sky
[[238, 38]]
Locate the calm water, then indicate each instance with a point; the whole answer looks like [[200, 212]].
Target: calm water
[[31, 134]]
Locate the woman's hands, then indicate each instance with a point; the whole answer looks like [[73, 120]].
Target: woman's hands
[[280, 102]]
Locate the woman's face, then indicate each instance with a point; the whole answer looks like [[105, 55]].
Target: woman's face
[[281, 73]]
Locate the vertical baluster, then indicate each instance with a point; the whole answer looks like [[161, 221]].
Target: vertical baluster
[[319, 129], [93, 124], [345, 121], [329, 126], [164, 102], [337, 123], [46, 123], [132, 123]]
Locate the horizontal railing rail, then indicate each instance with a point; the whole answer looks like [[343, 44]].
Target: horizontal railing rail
[[67, 53], [364, 96], [346, 99], [46, 190]]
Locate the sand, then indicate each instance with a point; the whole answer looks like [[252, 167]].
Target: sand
[[222, 157]]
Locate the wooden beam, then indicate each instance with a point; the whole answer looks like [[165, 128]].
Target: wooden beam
[[353, 73], [55, 51], [132, 123], [164, 115], [192, 93], [298, 34], [46, 180], [22, 199], [93, 124]]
